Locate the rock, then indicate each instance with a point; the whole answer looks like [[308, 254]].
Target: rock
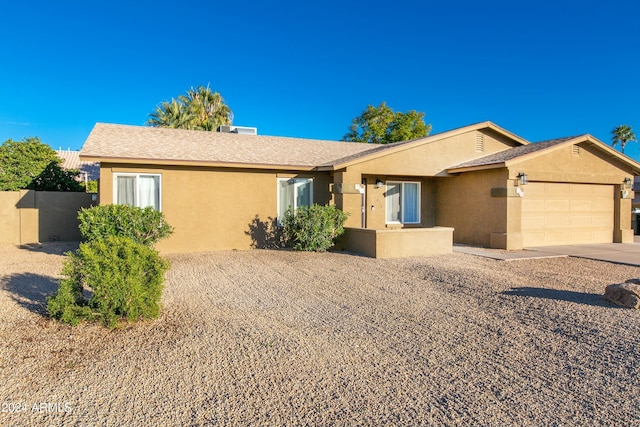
[[624, 294]]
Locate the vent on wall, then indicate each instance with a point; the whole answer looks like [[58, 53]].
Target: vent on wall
[[575, 150], [479, 143]]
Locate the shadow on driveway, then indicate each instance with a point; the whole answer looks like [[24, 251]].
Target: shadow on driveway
[[561, 295], [31, 290]]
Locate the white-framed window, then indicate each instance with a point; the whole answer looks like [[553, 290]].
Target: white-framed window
[[403, 202], [294, 193], [137, 189]]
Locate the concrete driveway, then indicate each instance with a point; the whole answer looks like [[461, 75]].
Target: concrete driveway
[[620, 253]]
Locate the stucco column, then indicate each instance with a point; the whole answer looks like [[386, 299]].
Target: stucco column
[[622, 231]]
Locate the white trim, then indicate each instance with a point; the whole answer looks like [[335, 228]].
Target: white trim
[[137, 175], [402, 211]]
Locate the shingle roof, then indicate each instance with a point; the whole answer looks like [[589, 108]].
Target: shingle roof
[[71, 160], [148, 143], [512, 153]]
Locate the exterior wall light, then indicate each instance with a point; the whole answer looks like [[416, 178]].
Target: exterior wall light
[[627, 183], [379, 183], [523, 179]]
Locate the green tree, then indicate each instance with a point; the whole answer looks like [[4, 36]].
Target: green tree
[[198, 109], [382, 125], [21, 162], [622, 134], [55, 178]]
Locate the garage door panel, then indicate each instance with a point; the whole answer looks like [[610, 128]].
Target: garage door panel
[[560, 214], [580, 221], [604, 222], [532, 205], [581, 205], [603, 206], [533, 223], [557, 205], [557, 221]]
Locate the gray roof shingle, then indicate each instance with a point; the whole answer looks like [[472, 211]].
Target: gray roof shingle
[[150, 143]]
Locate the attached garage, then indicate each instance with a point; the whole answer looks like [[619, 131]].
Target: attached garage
[[566, 191], [564, 214]]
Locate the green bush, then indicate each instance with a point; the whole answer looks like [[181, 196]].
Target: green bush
[[91, 187], [314, 228], [125, 277], [145, 226]]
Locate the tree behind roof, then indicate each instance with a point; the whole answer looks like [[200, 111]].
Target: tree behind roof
[[382, 125], [198, 109], [622, 134]]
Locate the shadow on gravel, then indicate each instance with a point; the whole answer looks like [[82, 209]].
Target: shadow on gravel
[[51, 248], [31, 290], [560, 295]]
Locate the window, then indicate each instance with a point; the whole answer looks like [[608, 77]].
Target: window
[[294, 193], [139, 190], [403, 202]]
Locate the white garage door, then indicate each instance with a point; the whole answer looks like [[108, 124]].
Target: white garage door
[[566, 214]]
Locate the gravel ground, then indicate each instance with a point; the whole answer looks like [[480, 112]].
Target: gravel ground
[[282, 338]]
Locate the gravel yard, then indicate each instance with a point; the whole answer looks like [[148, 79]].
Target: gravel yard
[[284, 338]]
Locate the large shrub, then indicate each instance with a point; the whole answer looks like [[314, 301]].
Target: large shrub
[[31, 164], [125, 278], [145, 226], [314, 228]]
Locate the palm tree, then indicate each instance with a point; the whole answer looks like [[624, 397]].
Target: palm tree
[[171, 115], [208, 108], [622, 134], [199, 109]]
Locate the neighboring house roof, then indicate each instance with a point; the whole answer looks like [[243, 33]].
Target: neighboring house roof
[[518, 154], [129, 144], [124, 143], [71, 160]]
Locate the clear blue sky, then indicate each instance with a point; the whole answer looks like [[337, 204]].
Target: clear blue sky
[[542, 69]]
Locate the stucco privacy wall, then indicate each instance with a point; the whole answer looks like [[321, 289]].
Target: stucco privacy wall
[[215, 208], [398, 243], [29, 216]]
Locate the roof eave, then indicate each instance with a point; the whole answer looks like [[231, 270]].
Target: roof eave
[[476, 168], [212, 164]]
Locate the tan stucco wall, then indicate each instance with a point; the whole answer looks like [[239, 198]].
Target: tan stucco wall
[[433, 158], [590, 167], [9, 217], [465, 203], [398, 243], [213, 208], [29, 216]]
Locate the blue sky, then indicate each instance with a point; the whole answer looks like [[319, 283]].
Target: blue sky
[[541, 69]]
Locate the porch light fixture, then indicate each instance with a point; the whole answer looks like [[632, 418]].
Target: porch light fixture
[[523, 179], [627, 182], [379, 183]]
